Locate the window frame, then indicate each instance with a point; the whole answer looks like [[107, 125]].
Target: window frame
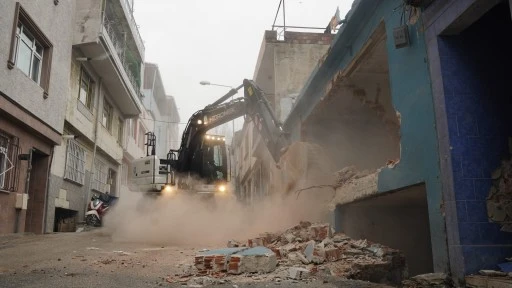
[[21, 16], [31, 42], [120, 130], [110, 115], [89, 98], [70, 155]]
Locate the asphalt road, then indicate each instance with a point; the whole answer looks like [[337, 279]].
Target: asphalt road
[[92, 259]]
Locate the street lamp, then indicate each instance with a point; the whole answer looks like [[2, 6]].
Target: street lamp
[[213, 84]]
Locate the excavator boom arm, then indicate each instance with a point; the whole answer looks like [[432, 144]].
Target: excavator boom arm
[[253, 105]]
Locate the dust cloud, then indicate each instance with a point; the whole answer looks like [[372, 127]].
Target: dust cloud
[[189, 220]]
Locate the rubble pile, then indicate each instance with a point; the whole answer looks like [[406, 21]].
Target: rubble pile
[[499, 201], [431, 280], [303, 252], [349, 173]]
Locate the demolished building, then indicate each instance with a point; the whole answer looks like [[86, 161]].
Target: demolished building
[[397, 96]]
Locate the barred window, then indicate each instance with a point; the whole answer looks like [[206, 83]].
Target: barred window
[[75, 163], [4, 152], [100, 176], [9, 168]]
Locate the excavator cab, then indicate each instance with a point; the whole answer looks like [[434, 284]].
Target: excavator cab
[[214, 162], [211, 165]]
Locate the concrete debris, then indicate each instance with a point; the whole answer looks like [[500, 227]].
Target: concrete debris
[[301, 253], [253, 260], [233, 244], [431, 280], [349, 173], [298, 273], [499, 200]]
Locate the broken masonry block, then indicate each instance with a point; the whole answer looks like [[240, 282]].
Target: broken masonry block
[[298, 273], [254, 260]]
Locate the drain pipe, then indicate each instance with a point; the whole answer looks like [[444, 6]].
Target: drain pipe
[[48, 178], [87, 193]]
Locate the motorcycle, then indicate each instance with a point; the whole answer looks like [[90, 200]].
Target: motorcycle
[[97, 209]]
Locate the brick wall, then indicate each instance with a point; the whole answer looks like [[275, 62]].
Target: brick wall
[[475, 75]]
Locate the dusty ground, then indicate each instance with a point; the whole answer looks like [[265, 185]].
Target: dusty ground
[[91, 258]]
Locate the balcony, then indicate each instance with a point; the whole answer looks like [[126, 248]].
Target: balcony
[[107, 37]]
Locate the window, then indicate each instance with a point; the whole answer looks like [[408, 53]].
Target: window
[[100, 177], [120, 131], [106, 120], [29, 53], [86, 91], [30, 50], [75, 163]]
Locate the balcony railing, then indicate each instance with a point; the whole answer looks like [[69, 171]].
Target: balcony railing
[[120, 47], [132, 22]]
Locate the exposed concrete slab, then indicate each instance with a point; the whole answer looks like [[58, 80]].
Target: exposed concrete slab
[[355, 189]]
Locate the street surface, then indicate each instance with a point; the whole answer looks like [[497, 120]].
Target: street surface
[[92, 259]]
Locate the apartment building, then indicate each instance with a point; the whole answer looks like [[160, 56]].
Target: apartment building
[[105, 77], [282, 69], [35, 51], [163, 110]]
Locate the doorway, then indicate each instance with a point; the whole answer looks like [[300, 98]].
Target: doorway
[[37, 192], [397, 219]]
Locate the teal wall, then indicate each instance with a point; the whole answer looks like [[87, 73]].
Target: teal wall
[[411, 96]]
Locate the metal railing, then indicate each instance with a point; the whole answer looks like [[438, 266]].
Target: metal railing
[[132, 23], [120, 47]]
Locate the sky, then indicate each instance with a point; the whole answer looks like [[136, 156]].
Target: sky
[[216, 41]]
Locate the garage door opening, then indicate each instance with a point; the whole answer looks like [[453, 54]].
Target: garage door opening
[[65, 220], [356, 122], [395, 219]]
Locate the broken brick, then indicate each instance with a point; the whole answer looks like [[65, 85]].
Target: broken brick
[[319, 232], [332, 254], [234, 266]]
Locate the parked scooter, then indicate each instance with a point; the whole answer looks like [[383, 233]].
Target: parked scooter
[[97, 209]]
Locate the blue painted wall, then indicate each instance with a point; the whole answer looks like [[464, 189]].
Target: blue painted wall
[[411, 96], [476, 77]]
